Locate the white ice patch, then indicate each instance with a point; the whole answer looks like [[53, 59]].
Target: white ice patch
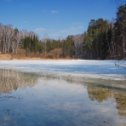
[[84, 68]]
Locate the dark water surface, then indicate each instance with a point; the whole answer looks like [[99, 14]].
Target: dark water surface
[[28, 99]]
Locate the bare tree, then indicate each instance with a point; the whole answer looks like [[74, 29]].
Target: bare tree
[[9, 39]]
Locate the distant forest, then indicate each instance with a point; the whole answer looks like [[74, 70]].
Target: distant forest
[[102, 40]]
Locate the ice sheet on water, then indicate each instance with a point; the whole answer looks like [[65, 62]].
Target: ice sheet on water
[[88, 68]]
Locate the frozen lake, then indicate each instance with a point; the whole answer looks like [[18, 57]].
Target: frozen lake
[[62, 93], [93, 68]]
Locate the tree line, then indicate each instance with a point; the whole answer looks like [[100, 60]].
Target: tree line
[[105, 39], [102, 40]]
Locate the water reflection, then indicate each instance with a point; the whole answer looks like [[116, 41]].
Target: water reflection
[[98, 93], [11, 80], [120, 102], [46, 100], [7, 119], [101, 94]]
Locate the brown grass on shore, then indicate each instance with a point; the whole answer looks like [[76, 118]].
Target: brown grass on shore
[[22, 55], [29, 57], [5, 56]]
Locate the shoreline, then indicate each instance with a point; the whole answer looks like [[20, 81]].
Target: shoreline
[[9, 57]]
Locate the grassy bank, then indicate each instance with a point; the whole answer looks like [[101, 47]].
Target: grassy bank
[[29, 57]]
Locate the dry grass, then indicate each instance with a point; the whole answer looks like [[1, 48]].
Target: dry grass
[[29, 57], [5, 56], [21, 55]]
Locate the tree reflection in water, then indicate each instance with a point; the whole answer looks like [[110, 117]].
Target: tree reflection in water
[[120, 103], [11, 80], [51, 99], [98, 93], [101, 94]]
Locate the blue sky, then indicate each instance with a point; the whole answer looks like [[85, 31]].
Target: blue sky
[[55, 18]]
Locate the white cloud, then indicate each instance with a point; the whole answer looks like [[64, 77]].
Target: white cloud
[[61, 33], [40, 30], [73, 30], [54, 11], [25, 21]]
